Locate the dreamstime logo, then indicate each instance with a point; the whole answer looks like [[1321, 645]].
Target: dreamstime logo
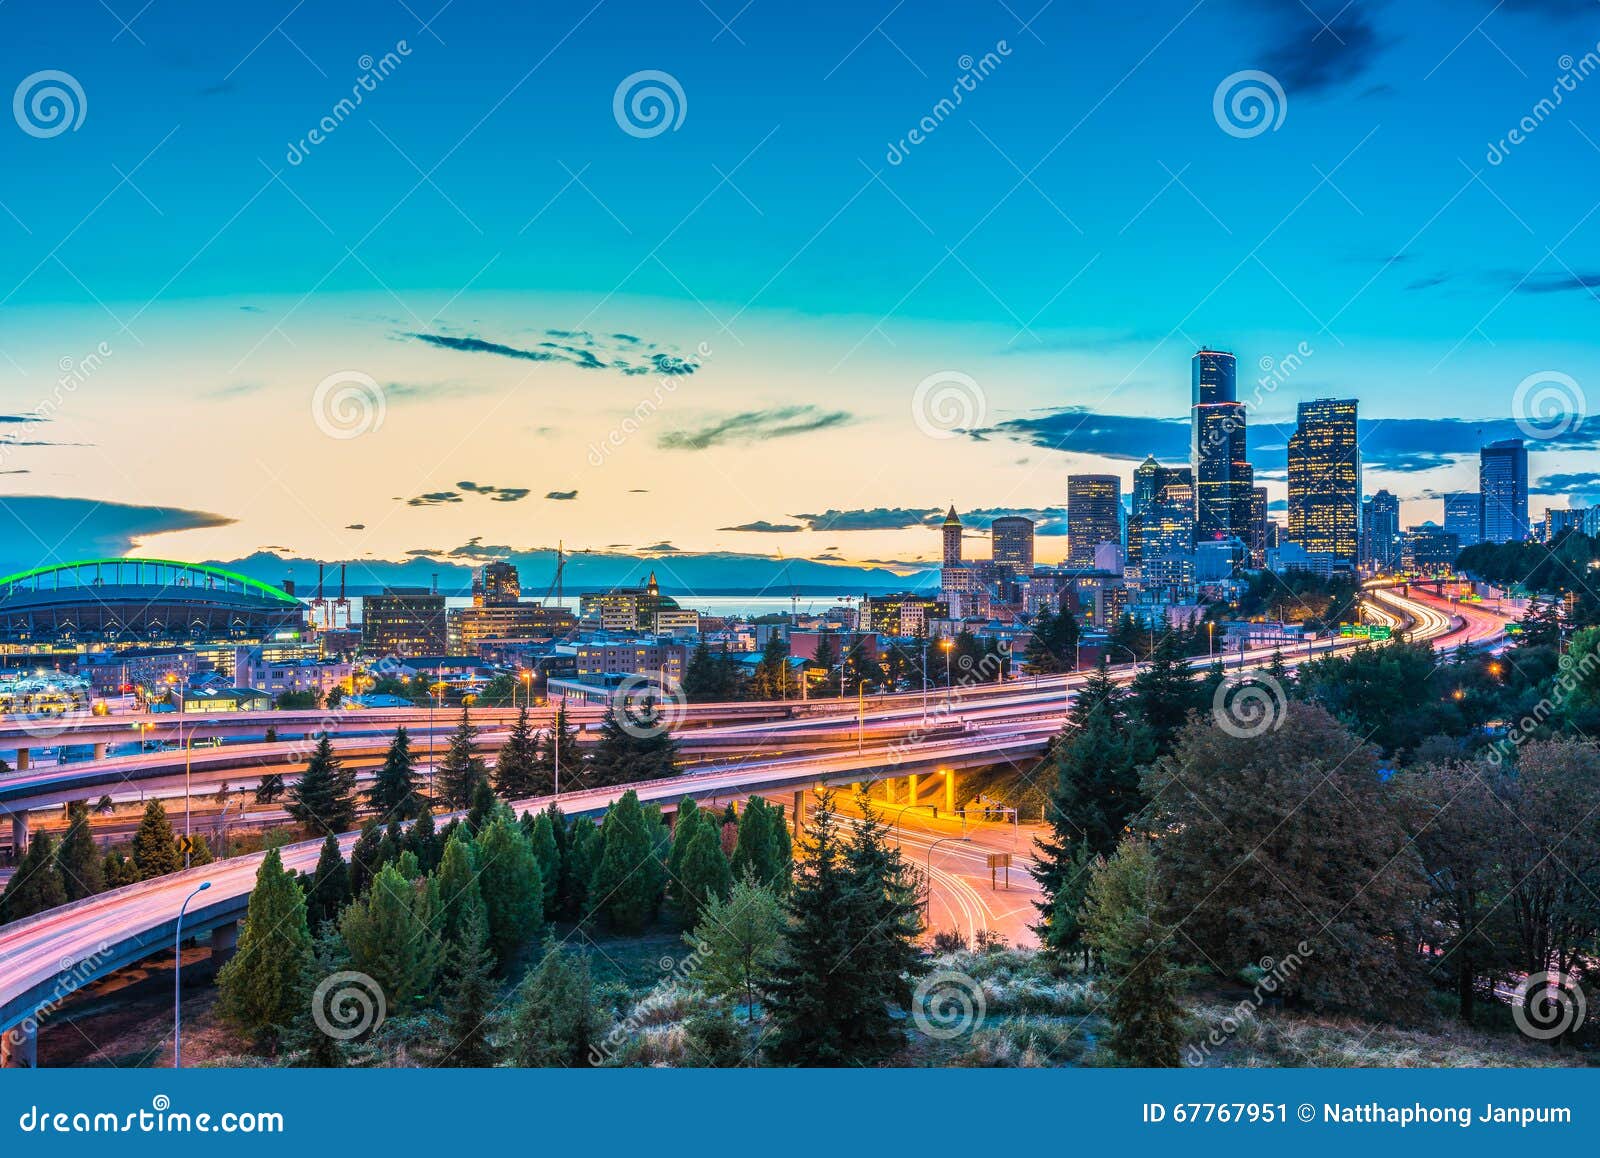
[[646, 707], [1573, 73], [973, 73], [346, 1005], [48, 103], [1248, 706], [348, 404], [1248, 103], [648, 103], [1548, 404], [947, 403], [373, 73], [1547, 1005], [947, 1004]]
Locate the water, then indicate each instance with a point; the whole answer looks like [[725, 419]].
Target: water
[[740, 605]]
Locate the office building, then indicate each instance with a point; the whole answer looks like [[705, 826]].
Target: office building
[[1380, 532], [1094, 515], [496, 584], [952, 538], [1257, 541], [1503, 492], [1463, 517], [1430, 550], [469, 630], [403, 621], [1012, 544], [627, 608], [901, 615], [1556, 522], [1223, 478], [1325, 481]]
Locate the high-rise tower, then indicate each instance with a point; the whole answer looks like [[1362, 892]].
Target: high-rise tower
[[1222, 475], [952, 538], [1325, 480], [1503, 491]]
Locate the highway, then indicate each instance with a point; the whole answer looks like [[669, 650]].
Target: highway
[[974, 727]]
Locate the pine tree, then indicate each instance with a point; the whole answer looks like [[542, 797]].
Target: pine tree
[[269, 789], [826, 655], [771, 680], [887, 892], [714, 1040], [459, 893], [422, 838], [704, 874], [391, 935], [394, 794], [516, 770], [635, 744], [684, 825], [513, 893], [364, 862], [1164, 692], [628, 879], [323, 799], [470, 998], [119, 871], [584, 849], [36, 885], [554, 1022], [319, 1049], [82, 871], [199, 851], [155, 849], [738, 942], [1119, 923], [542, 839], [462, 769], [483, 807], [261, 989], [327, 888], [702, 677], [762, 851]]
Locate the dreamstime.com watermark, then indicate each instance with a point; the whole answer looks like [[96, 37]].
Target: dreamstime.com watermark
[[1570, 676], [373, 74], [947, 1004], [648, 103], [159, 1118], [1249, 103], [73, 373], [347, 1004], [1573, 73], [973, 73], [347, 404], [666, 385], [947, 404], [986, 670], [74, 976], [1548, 404], [662, 996], [1249, 705], [1549, 1004], [1274, 974]]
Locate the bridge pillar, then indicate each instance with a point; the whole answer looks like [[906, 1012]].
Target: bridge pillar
[[100, 750], [911, 788], [23, 756], [224, 941], [888, 789], [799, 810], [950, 790], [19, 833], [19, 1047]]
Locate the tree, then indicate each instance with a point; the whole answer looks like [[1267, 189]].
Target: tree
[[323, 799], [155, 849], [470, 998], [584, 849], [628, 879], [364, 858], [1164, 692], [713, 1039], [635, 744], [119, 871], [1119, 923], [559, 752], [483, 807], [554, 1021], [82, 870], [422, 838], [391, 935], [1053, 642], [513, 893], [826, 655], [269, 789], [762, 851], [771, 679], [885, 888], [516, 770], [737, 943], [327, 888], [459, 894], [394, 793], [685, 824], [704, 875], [320, 1049], [36, 885], [462, 769], [704, 679], [547, 851], [261, 989], [1288, 836]]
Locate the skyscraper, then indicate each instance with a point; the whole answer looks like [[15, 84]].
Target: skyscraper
[[1094, 515], [952, 539], [496, 584], [1325, 480], [1011, 538], [1257, 542], [1147, 479], [1503, 492], [1381, 543], [1167, 547], [1463, 516], [1222, 475]]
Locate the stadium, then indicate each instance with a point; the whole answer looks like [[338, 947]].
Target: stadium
[[114, 603]]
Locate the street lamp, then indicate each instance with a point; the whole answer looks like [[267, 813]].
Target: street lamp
[[947, 646], [177, 973], [527, 689], [183, 696]]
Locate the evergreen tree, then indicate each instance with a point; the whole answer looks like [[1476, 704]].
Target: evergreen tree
[[1119, 923], [684, 825], [713, 1039], [762, 850], [269, 789], [826, 656], [542, 838], [82, 871], [738, 943], [1164, 692], [323, 799], [422, 839], [261, 989], [391, 846], [584, 848], [394, 794], [513, 893], [155, 849], [470, 998], [635, 744], [327, 888], [391, 935], [887, 891], [199, 851], [704, 873], [628, 880], [319, 1049], [36, 885], [484, 807], [517, 775], [459, 893], [119, 871], [771, 680], [554, 1022], [703, 677], [462, 769], [364, 858]]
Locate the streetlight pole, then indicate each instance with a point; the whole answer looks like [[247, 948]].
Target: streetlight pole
[[177, 985], [861, 716]]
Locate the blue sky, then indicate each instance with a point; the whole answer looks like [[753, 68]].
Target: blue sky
[[484, 241]]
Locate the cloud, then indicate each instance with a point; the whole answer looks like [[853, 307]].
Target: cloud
[[1308, 56], [661, 548], [762, 527], [434, 499], [1579, 483], [355, 526], [574, 348], [756, 426], [38, 530], [561, 496], [1585, 281], [496, 494], [1079, 430], [874, 519], [10, 418]]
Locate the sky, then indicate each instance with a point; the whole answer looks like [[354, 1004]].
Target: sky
[[391, 280]]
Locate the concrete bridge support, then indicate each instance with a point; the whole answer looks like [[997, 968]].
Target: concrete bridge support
[[913, 786], [100, 750], [224, 942], [19, 833], [950, 790], [24, 757], [19, 1047], [799, 819]]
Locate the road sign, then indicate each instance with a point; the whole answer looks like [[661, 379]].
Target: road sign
[[999, 860]]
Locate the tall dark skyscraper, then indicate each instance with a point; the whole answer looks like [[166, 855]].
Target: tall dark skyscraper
[[1503, 491], [1381, 543], [1011, 540], [496, 584], [1222, 475], [1094, 515], [1463, 517], [1325, 480]]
